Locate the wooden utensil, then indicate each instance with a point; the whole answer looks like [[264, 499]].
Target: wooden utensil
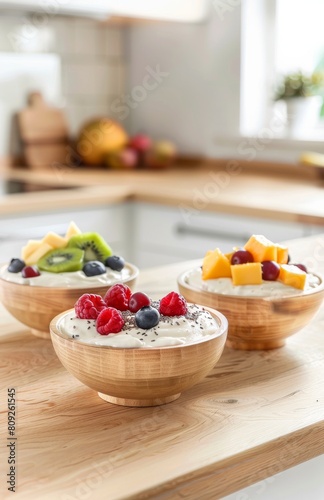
[[44, 133]]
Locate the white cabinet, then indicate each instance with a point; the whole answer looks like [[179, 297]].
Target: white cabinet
[[109, 221], [163, 235], [148, 234]]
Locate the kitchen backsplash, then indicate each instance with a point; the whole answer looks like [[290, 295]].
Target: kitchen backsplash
[[85, 64]]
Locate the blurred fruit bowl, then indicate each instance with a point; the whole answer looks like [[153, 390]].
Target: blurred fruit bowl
[[142, 152], [36, 306]]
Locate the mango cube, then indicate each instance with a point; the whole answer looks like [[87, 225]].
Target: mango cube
[[291, 275], [215, 265], [247, 274], [282, 254], [261, 248]]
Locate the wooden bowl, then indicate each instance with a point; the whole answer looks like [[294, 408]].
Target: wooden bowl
[[144, 376], [258, 322], [36, 306]]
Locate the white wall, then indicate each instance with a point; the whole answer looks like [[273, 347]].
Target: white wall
[[200, 98], [91, 66]]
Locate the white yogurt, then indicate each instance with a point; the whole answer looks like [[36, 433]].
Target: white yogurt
[[266, 289], [170, 331], [76, 279]]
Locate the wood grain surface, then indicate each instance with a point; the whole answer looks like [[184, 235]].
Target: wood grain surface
[[257, 413], [286, 197]]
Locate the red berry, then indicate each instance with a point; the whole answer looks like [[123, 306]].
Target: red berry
[[109, 321], [173, 304], [89, 305], [118, 296], [138, 300], [270, 270], [241, 257], [30, 272], [300, 266]]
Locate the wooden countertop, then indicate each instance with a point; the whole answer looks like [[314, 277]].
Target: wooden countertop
[[254, 415], [286, 195]]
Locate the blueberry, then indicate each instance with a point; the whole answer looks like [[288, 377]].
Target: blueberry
[[93, 268], [147, 317], [16, 265], [115, 263]]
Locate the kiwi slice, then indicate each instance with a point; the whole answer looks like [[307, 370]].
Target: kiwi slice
[[62, 260], [93, 245]]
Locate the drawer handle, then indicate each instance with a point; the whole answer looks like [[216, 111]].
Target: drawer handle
[[184, 230]]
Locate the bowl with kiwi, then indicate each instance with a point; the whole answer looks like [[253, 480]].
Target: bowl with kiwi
[[50, 274]]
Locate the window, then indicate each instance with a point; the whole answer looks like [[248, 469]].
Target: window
[[280, 37]]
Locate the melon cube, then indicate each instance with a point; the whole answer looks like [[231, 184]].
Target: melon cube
[[28, 249], [261, 248], [282, 254], [291, 275], [54, 240], [215, 265], [34, 257], [247, 274]]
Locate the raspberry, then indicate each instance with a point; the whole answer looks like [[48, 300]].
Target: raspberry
[[118, 296], [88, 306], [109, 321], [173, 304]]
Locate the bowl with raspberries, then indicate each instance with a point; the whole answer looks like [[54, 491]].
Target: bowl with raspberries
[[264, 294], [51, 273], [135, 351]]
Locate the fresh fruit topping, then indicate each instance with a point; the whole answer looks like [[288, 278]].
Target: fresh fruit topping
[[282, 254], [173, 304], [261, 248], [293, 276], [54, 240], [109, 321], [247, 274], [30, 272], [93, 268], [301, 266], [138, 300], [72, 230], [147, 317], [118, 296], [16, 265], [89, 305], [40, 250], [241, 257], [62, 260], [115, 262], [215, 265], [270, 270], [29, 248], [93, 245]]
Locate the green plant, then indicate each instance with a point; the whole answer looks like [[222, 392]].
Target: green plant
[[300, 84]]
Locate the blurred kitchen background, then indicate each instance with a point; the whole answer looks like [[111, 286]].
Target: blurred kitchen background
[[220, 62], [201, 80]]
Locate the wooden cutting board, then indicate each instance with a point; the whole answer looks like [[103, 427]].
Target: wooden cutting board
[[44, 133]]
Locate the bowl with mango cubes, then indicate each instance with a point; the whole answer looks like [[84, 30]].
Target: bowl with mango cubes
[[264, 295]]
